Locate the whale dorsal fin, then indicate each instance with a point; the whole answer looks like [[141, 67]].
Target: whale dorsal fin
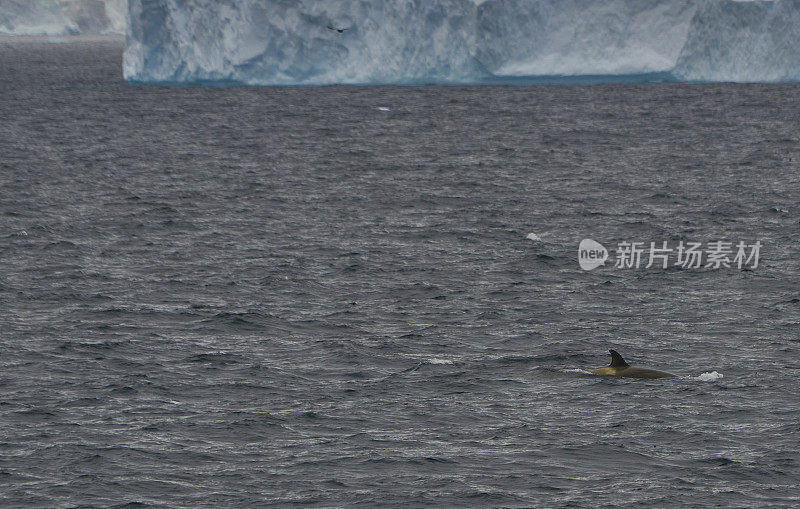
[[616, 360]]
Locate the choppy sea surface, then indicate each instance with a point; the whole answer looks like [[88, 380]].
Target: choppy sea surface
[[325, 296]]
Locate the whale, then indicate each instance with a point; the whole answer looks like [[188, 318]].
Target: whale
[[619, 367]]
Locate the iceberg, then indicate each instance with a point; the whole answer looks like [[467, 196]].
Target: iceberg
[[743, 42], [320, 42], [279, 42], [575, 37], [62, 17]]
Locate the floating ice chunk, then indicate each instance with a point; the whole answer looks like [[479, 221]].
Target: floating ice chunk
[[437, 360], [711, 376]]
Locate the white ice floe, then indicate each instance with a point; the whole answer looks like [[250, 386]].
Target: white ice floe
[[711, 376]]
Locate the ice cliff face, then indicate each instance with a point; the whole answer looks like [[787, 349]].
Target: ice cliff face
[[743, 41], [289, 42], [62, 17], [569, 37], [466, 41]]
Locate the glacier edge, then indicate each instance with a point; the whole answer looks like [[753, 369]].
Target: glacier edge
[[278, 42]]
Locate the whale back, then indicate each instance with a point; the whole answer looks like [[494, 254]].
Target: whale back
[[619, 367], [643, 373]]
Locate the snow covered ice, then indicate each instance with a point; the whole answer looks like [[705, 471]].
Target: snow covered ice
[[278, 42]]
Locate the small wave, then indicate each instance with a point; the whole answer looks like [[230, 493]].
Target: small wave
[[383, 108], [436, 360], [578, 370], [533, 236], [709, 376], [219, 358], [719, 461], [422, 359], [506, 360]]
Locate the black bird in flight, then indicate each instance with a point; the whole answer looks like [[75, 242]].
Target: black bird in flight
[[340, 30]]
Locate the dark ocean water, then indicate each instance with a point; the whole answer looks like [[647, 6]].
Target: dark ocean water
[[252, 296]]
